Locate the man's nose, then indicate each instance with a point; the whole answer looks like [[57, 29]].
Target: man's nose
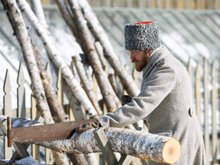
[[132, 58]]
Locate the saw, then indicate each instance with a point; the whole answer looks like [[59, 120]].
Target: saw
[[41, 133]]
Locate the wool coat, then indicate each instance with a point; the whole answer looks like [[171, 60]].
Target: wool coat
[[165, 103]]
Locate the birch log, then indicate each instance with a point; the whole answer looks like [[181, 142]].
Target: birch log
[[19, 27], [139, 144], [86, 41], [21, 33], [100, 34], [88, 88], [56, 58], [38, 10], [52, 99], [79, 115], [55, 107]]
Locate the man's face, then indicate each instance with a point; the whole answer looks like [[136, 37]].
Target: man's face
[[139, 58]]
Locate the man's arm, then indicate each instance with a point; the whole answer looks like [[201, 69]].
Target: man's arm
[[156, 89]]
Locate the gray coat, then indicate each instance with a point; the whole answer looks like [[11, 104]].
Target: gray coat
[[165, 102]]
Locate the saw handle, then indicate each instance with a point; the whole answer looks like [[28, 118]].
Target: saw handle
[[9, 131]]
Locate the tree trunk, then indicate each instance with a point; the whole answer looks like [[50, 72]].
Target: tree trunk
[[87, 43], [21, 33], [20, 30], [109, 53], [38, 10], [79, 115], [55, 107], [88, 88], [139, 144], [56, 58]]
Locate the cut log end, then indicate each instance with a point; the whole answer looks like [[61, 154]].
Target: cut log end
[[171, 151]]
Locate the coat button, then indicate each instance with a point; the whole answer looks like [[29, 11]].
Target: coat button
[[190, 112]]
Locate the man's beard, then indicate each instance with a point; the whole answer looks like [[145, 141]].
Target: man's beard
[[140, 66]]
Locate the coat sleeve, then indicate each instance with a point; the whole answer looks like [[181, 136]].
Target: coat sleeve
[[161, 83]]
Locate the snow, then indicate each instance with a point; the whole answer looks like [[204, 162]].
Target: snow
[[27, 161]]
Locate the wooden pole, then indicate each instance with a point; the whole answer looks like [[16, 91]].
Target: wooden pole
[[87, 42], [56, 58], [17, 22], [87, 87], [109, 53], [130, 142], [19, 27]]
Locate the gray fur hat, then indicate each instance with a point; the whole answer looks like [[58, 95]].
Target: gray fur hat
[[142, 36]]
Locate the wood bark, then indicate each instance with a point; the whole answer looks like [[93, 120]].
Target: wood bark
[[139, 144], [17, 22], [87, 87], [55, 107], [21, 33], [109, 70], [79, 114], [87, 44], [52, 99], [56, 58], [38, 10], [109, 53], [103, 61]]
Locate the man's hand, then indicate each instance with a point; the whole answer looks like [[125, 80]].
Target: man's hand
[[125, 99], [84, 127]]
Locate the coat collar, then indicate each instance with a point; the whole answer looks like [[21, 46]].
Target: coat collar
[[156, 56]]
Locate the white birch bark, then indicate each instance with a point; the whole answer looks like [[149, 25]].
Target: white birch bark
[[19, 27], [139, 144], [99, 33], [87, 42], [79, 115], [38, 10], [56, 58], [56, 108], [18, 24], [87, 86]]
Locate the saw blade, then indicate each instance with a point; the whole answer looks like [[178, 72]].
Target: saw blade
[[49, 132]]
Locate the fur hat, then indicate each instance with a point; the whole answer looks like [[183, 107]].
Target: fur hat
[[142, 36]]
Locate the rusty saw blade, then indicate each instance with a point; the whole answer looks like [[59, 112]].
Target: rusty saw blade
[[49, 132]]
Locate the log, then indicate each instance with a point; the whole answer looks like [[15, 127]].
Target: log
[[55, 57], [86, 85], [86, 41], [110, 54], [89, 47], [56, 108], [130, 142], [18, 24]]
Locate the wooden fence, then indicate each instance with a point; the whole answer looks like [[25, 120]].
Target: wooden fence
[[176, 4], [205, 81]]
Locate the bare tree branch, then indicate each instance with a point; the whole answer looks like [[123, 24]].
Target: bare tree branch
[[109, 53], [56, 58]]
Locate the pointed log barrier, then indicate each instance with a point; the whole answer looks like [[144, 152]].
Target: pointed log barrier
[[56, 57], [139, 144], [109, 52]]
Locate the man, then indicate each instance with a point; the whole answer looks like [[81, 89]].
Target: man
[[165, 100]]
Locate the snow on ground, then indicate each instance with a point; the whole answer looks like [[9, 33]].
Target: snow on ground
[[27, 161]]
